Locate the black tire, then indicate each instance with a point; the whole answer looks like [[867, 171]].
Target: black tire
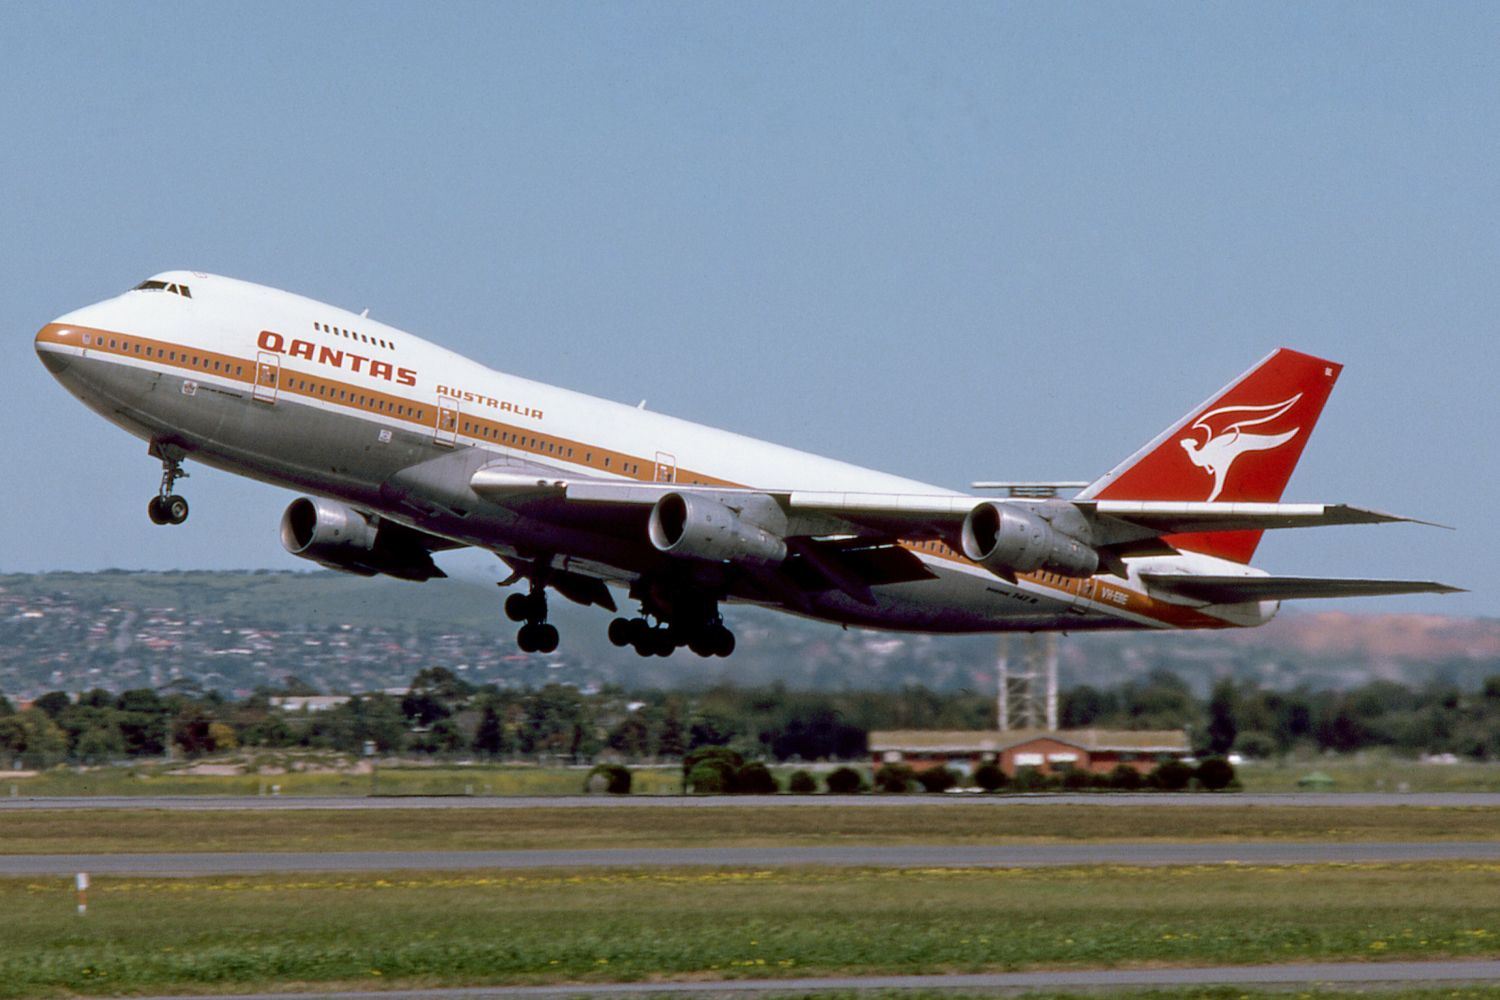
[[619, 631], [723, 642], [526, 638], [640, 634], [518, 607], [547, 638], [155, 512], [176, 509], [702, 644], [664, 644]]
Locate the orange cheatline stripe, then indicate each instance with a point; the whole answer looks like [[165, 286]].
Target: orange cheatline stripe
[[314, 386]]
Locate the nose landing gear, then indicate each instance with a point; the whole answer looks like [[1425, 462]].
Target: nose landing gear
[[166, 507], [536, 635]]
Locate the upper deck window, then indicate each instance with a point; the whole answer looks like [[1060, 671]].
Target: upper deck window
[[151, 285]]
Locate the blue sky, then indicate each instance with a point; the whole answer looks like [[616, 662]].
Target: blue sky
[[951, 241]]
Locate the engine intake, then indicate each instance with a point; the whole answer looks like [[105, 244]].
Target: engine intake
[[342, 538], [699, 528], [1007, 540]]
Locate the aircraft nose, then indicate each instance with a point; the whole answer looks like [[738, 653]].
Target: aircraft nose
[[50, 346]]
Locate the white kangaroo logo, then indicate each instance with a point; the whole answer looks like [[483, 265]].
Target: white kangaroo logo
[[1219, 448]]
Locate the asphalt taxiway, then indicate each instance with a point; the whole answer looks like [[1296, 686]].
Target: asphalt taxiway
[[1312, 974], [910, 856]]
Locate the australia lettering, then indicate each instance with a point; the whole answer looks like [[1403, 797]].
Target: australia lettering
[[503, 405], [359, 364]]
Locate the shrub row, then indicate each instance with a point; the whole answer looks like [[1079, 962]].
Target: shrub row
[[718, 771]]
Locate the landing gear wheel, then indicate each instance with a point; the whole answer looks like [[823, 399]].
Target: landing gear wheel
[[526, 639], [518, 607], [166, 507], [536, 636], [175, 508], [620, 631], [723, 641]]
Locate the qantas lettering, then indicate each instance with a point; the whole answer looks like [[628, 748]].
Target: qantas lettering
[[274, 342], [503, 405]]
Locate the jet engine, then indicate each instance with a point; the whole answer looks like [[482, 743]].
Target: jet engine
[[1007, 540], [342, 538], [683, 524]]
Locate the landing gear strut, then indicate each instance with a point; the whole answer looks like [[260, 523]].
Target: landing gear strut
[[706, 638], [166, 507], [535, 636]]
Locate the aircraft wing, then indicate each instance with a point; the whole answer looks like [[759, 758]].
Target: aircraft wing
[[919, 516], [1238, 589]]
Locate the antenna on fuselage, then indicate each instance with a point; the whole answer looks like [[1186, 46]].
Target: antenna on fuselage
[[641, 405], [364, 313]]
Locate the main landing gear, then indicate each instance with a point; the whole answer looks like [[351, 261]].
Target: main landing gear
[[707, 638], [166, 507], [536, 635]]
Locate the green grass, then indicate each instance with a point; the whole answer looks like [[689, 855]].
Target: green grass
[[440, 929], [411, 779], [130, 830], [1373, 772]]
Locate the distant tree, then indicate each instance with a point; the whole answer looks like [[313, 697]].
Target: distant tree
[[489, 738], [801, 783], [1259, 746], [1031, 779], [1215, 774], [1083, 706], [611, 778], [755, 779], [34, 738], [1171, 775], [296, 687], [631, 737], [894, 778], [1077, 779], [669, 738], [99, 745], [844, 781], [709, 778], [54, 703], [222, 736], [190, 730], [1125, 778], [937, 779], [6, 708], [443, 737], [1222, 728], [990, 776], [96, 698], [710, 754]]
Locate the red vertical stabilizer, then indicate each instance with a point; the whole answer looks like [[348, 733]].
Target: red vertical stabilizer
[[1241, 445]]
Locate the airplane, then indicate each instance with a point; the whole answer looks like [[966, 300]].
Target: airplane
[[408, 449]]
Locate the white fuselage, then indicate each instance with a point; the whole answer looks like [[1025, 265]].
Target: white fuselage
[[306, 395]]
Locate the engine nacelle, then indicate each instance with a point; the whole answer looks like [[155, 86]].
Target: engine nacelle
[[683, 524], [1007, 540], [341, 538]]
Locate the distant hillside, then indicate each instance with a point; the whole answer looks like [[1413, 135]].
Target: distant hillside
[[234, 630]]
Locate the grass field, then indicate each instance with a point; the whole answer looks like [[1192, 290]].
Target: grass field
[[440, 929], [130, 830], [331, 774]]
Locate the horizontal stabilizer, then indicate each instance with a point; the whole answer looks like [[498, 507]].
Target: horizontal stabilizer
[[1240, 589], [1159, 517]]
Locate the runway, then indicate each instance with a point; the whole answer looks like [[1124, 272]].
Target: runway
[[1425, 974], [914, 856], [1309, 800]]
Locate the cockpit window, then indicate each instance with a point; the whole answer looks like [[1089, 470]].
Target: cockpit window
[[151, 285]]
